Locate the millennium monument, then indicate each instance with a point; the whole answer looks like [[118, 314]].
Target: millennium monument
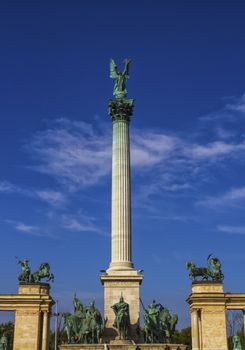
[[86, 328], [121, 324], [121, 280]]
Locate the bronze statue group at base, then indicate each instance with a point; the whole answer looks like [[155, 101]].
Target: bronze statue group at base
[[85, 325], [159, 324]]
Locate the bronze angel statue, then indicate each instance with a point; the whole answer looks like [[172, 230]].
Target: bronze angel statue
[[120, 78]]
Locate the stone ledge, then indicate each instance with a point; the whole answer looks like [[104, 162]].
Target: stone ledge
[[34, 288], [110, 278], [121, 347]]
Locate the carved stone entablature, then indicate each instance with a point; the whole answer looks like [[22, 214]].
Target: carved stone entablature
[[121, 109]]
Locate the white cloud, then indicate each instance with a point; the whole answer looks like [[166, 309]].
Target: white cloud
[[8, 187], [230, 198], [80, 223], [52, 197], [150, 148], [72, 155], [25, 228], [215, 149], [233, 230], [238, 105], [78, 155]]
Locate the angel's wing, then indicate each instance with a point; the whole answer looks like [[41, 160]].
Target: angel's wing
[[113, 69], [126, 68]]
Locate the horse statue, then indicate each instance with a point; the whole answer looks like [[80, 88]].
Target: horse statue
[[212, 272], [195, 272], [122, 320], [42, 272]]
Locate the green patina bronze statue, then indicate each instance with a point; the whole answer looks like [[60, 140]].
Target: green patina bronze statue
[[120, 91], [236, 341], [122, 319], [120, 108], [35, 277], [4, 343], [159, 324], [85, 326], [211, 273]]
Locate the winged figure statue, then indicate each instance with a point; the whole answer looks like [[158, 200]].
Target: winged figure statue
[[120, 90]]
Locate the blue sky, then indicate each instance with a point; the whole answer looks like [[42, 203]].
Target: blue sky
[[187, 141]]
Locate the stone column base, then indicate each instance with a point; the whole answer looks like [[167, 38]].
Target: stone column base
[[127, 284], [33, 307]]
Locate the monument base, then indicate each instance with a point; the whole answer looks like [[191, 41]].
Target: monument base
[[122, 347], [117, 284], [208, 316], [33, 308]]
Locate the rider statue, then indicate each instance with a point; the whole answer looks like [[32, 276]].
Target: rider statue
[[153, 310], [215, 267], [26, 271], [122, 319], [90, 309], [159, 323]]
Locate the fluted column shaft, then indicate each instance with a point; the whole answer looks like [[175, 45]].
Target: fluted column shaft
[[121, 197], [121, 259]]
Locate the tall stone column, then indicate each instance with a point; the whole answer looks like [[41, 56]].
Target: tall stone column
[[121, 253]]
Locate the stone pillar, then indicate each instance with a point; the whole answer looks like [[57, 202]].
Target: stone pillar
[[121, 278], [243, 311], [209, 332], [121, 257], [45, 331], [195, 330], [199, 314], [32, 317]]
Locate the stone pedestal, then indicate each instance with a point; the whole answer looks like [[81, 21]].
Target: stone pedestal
[[127, 285], [208, 316], [32, 317]]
